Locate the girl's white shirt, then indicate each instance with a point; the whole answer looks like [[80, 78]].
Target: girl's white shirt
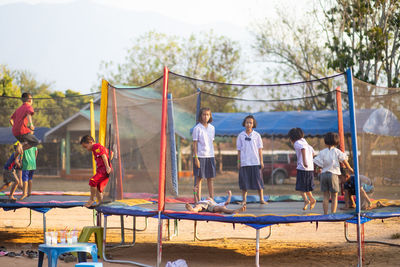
[[249, 155], [298, 146], [204, 137]]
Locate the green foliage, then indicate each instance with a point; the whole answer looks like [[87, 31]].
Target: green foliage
[[204, 56], [293, 48], [51, 107], [365, 35], [7, 88]]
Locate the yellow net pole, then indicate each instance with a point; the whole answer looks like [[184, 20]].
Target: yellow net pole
[[92, 131], [103, 112]]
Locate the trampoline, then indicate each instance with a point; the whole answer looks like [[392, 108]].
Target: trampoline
[[43, 202], [139, 146], [147, 158], [280, 210]]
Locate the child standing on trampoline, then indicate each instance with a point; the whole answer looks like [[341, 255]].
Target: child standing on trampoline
[[28, 169], [103, 169], [250, 160], [203, 149], [10, 173], [329, 160], [305, 167]]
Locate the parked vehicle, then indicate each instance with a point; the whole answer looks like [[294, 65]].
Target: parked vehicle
[[279, 167]]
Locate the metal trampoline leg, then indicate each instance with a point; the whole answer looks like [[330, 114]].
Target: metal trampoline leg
[[122, 229], [195, 231], [365, 241], [44, 227], [257, 247], [134, 231], [30, 218], [175, 229], [104, 249]]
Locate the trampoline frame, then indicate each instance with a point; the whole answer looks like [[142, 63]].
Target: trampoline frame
[[161, 186], [365, 241]]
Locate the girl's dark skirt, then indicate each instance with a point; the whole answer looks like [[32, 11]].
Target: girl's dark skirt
[[250, 178], [207, 168], [305, 181]]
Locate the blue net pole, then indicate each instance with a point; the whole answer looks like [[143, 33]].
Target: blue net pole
[[353, 128], [171, 128], [198, 106]]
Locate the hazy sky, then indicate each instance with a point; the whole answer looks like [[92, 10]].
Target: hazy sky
[[238, 12], [37, 46]]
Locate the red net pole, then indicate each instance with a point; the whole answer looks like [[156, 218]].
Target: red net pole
[[340, 118], [163, 143], [116, 129]]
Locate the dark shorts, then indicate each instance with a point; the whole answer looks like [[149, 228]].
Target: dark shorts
[[305, 181], [207, 168], [29, 138], [10, 176], [27, 175], [250, 178], [209, 206], [329, 182], [99, 180]]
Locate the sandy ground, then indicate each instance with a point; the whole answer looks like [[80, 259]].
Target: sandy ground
[[304, 244]]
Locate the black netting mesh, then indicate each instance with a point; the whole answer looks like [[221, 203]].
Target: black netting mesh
[[137, 110], [378, 136], [50, 115], [139, 118]]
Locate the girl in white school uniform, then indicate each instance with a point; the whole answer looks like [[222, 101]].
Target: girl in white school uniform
[[305, 167], [250, 161], [203, 149]]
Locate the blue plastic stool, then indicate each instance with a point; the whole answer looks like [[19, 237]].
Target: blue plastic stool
[[89, 264], [53, 251]]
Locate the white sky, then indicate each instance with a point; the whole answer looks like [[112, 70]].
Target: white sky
[[238, 12]]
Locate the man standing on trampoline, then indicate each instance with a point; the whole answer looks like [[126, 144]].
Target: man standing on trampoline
[[103, 169], [203, 149]]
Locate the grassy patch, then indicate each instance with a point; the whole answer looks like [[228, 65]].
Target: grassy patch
[[396, 236]]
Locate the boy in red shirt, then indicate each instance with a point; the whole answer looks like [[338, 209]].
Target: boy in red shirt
[[99, 181], [21, 122]]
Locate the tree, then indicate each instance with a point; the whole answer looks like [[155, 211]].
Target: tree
[[7, 89], [365, 35], [295, 50], [51, 107], [204, 56]]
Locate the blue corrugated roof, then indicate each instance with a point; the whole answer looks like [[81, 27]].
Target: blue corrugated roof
[[313, 123], [6, 136]]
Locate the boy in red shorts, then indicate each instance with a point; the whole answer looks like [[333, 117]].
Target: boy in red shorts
[[21, 122], [99, 181]]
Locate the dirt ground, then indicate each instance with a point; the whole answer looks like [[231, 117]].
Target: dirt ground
[[301, 244]]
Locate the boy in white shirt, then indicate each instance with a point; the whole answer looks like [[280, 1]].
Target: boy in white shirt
[[329, 160]]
